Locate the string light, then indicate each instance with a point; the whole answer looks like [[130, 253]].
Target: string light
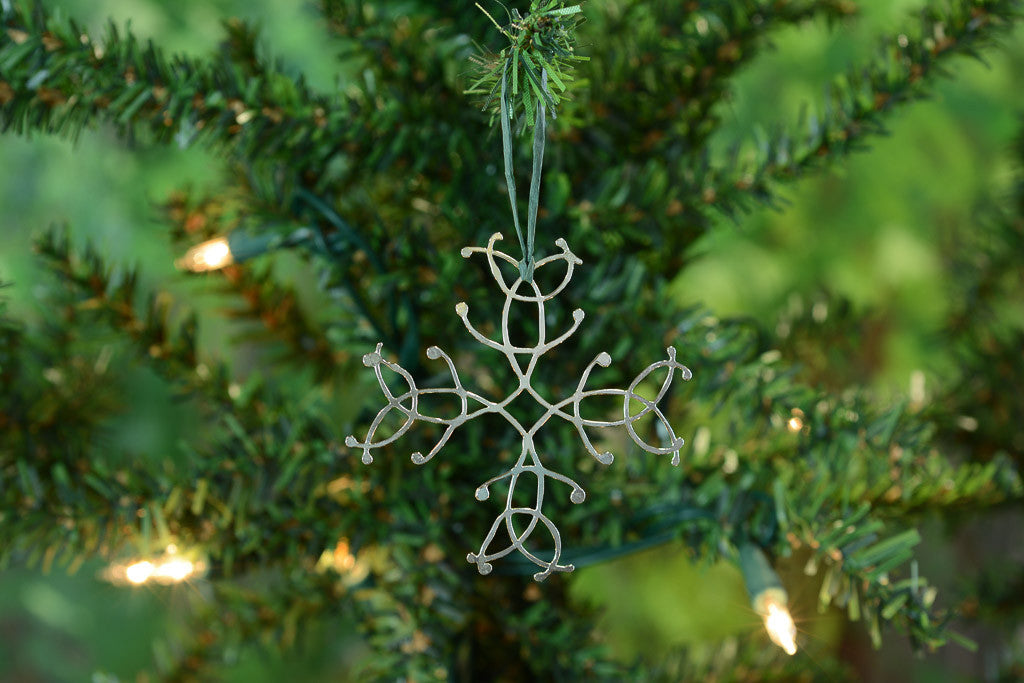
[[353, 567], [780, 627], [343, 557], [237, 247], [210, 255], [796, 422], [768, 597], [174, 570], [139, 572], [166, 569]]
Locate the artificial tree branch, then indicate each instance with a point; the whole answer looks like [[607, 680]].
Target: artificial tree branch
[[57, 79], [859, 102]]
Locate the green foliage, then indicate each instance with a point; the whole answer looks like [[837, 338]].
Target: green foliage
[[54, 81], [373, 190], [857, 103], [541, 47]]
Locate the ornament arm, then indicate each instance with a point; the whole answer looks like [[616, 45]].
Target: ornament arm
[[409, 404], [462, 310], [375, 360], [433, 353], [605, 458], [577, 319], [675, 443]]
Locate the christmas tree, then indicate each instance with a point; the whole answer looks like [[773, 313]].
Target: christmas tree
[[177, 386]]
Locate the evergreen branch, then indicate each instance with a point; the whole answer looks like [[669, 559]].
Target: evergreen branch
[[277, 308], [975, 412], [891, 465], [859, 484], [273, 305], [859, 576], [253, 436], [49, 472], [856, 464], [638, 153], [56, 79], [696, 664], [341, 285], [274, 479], [663, 223], [859, 102], [542, 41], [685, 53], [336, 243], [59, 504], [735, 34], [112, 294], [239, 615], [212, 511]]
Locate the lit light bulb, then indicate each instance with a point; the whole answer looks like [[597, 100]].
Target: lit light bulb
[[780, 627], [167, 568], [768, 597], [139, 572], [211, 255], [353, 568], [344, 560], [796, 422], [174, 570]]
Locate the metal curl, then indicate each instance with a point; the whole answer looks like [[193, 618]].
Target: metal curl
[[570, 259], [568, 409]]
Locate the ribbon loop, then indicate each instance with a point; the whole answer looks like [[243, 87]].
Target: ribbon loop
[[527, 264]]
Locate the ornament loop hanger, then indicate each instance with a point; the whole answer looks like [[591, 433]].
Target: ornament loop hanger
[[528, 263]]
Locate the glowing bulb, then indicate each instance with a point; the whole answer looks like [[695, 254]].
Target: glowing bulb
[[780, 627], [767, 596], [166, 569], [340, 559], [175, 570], [139, 572], [795, 424], [344, 560], [211, 255]]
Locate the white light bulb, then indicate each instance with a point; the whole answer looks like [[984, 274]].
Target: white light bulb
[[139, 572], [211, 255], [780, 627], [175, 570], [166, 569]]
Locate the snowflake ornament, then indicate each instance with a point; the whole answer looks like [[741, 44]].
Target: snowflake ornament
[[523, 361]]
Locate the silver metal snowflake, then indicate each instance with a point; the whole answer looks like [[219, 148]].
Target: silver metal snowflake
[[474, 405]]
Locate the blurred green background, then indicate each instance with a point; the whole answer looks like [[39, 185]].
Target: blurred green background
[[875, 231]]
